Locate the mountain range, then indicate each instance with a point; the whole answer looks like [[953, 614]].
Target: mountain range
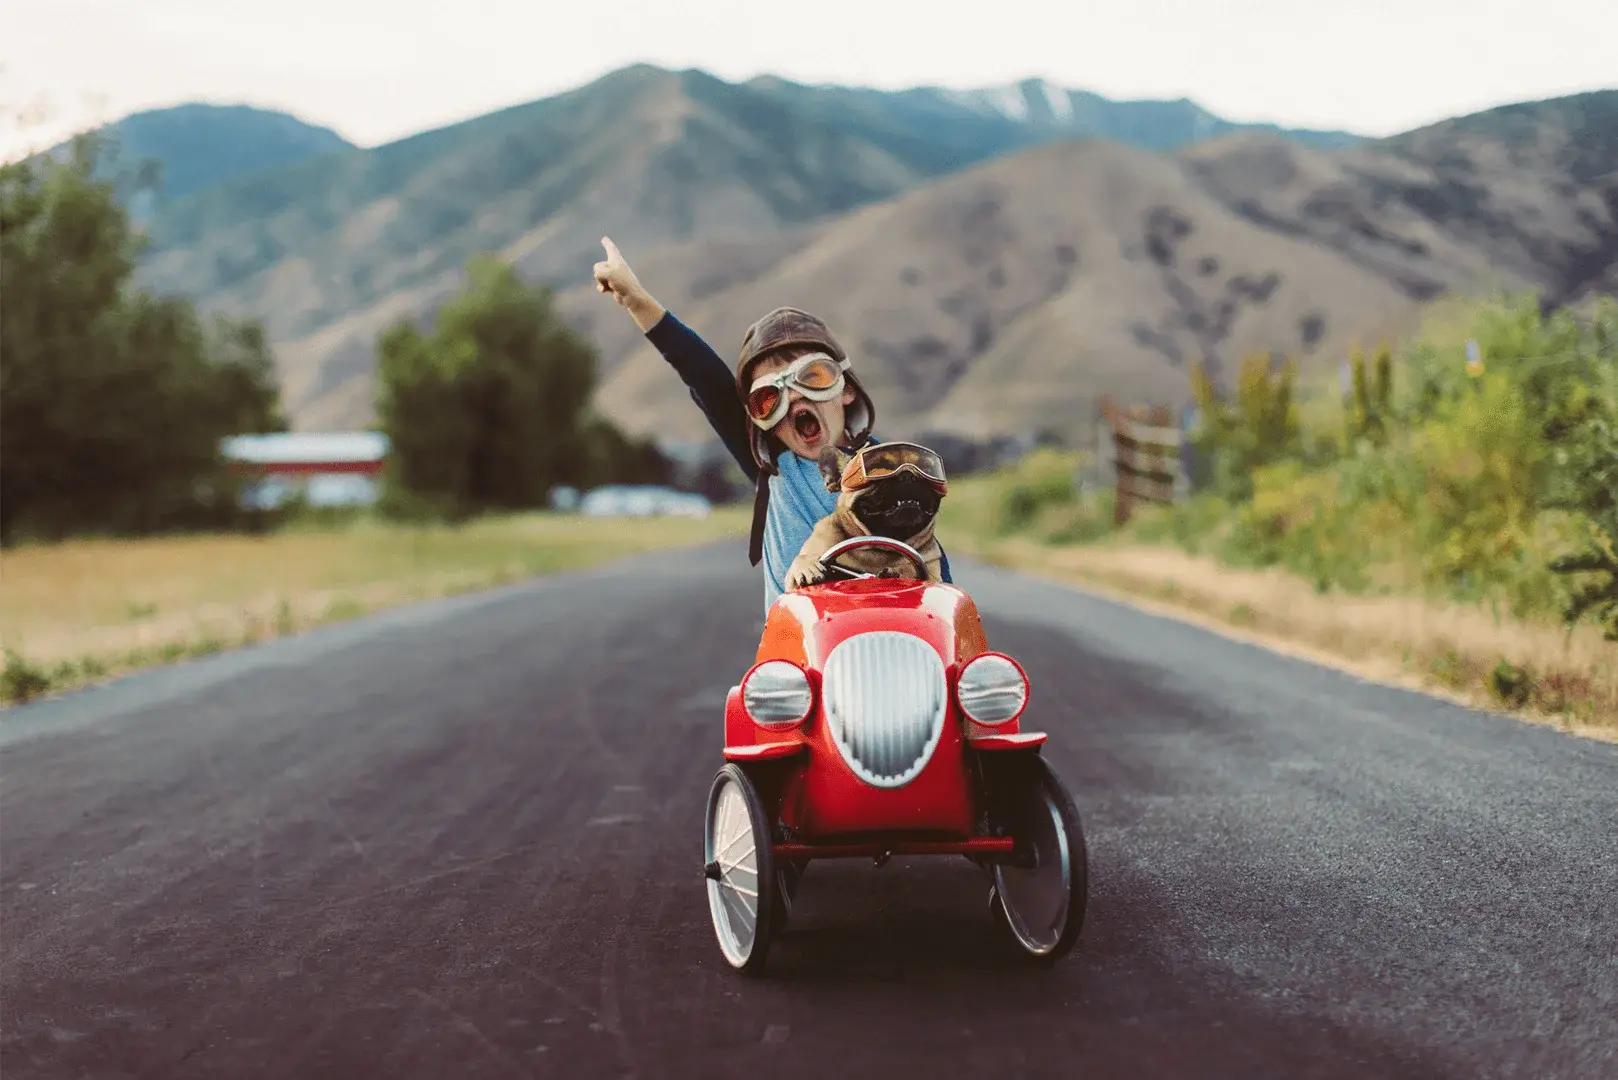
[[197, 146], [993, 259]]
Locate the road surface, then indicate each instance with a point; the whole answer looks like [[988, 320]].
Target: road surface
[[464, 840]]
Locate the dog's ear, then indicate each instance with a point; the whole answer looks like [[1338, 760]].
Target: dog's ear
[[831, 467]]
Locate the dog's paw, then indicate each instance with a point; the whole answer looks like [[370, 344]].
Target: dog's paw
[[801, 574]]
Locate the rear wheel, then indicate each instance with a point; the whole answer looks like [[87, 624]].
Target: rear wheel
[[740, 870], [788, 874], [1040, 893]]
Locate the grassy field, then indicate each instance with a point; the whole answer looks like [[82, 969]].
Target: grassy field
[[74, 613], [1472, 653]]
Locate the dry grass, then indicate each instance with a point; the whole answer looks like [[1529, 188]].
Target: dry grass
[[73, 612], [1570, 681]]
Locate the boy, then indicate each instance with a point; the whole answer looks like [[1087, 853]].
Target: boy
[[792, 395]]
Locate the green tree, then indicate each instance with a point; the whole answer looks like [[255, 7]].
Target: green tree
[[1257, 426], [112, 401], [430, 436], [1371, 414], [1597, 596], [489, 411], [1586, 480], [243, 393], [610, 456]]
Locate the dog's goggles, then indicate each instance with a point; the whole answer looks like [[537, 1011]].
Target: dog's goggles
[[888, 459], [817, 377]]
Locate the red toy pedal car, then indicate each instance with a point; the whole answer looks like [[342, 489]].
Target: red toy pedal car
[[874, 722]]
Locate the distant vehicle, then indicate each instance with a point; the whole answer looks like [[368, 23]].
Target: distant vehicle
[[685, 504], [268, 494], [341, 490], [564, 498], [631, 500], [319, 491]]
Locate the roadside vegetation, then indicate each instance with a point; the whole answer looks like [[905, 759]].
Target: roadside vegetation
[[80, 611], [126, 539], [1445, 520]]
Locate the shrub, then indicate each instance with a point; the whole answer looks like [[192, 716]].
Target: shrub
[[1257, 426], [1491, 482], [1588, 487], [1044, 479], [22, 680]]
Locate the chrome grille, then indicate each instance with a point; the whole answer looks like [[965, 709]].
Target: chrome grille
[[885, 701]]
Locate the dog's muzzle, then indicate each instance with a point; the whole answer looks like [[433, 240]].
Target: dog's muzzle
[[898, 507]]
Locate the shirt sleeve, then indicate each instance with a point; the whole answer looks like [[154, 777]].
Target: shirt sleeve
[[711, 383]]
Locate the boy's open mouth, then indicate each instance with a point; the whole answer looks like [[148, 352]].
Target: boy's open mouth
[[806, 423]]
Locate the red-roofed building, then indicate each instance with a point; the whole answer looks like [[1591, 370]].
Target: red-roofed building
[[331, 469]]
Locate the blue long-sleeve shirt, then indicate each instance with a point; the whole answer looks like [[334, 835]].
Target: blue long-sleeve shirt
[[798, 495]]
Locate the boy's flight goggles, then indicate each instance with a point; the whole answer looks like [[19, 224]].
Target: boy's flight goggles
[[817, 377], [887, 459]]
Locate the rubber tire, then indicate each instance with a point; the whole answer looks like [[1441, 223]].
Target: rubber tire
[[768, 903], [789, 878], [1039, 776]]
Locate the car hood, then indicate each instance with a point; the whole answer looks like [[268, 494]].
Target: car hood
[[804, 626]]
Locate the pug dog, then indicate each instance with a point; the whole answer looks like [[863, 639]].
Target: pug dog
[[903, 507]]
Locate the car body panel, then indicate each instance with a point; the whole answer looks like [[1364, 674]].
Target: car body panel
[[822, 797]]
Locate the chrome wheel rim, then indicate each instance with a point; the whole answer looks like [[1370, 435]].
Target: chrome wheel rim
[[733, 896], [1035, 899]]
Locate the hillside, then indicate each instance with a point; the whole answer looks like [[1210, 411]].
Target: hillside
[[1004, 299], [1041, 109], [1007, 297], [329, 251], [1007, 272], [197, 146], [1529, 190]]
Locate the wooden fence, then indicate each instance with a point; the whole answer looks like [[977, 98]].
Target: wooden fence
[[1141, 445]]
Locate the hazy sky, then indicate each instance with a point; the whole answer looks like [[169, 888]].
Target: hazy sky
[[379, 69]]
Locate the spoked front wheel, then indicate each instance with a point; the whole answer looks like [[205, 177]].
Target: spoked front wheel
[[740, 870], [1041, 892]]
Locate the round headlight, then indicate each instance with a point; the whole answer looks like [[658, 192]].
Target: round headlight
[[992, 689], [776, 694]]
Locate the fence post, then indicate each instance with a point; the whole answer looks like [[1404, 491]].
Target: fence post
[[1189, 416], [1146, 453], [1110, 453], [1104, 467]]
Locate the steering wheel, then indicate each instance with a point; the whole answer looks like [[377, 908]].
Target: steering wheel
[[828, 559]]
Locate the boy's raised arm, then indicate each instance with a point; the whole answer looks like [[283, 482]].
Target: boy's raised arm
[[709, 378]]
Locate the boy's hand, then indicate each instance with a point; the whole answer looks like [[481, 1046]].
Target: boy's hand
[[614, 276]]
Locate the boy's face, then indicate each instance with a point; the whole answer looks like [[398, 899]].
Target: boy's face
[[809, 426]]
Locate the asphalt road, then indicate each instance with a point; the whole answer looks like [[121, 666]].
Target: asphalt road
[[464, 840]]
